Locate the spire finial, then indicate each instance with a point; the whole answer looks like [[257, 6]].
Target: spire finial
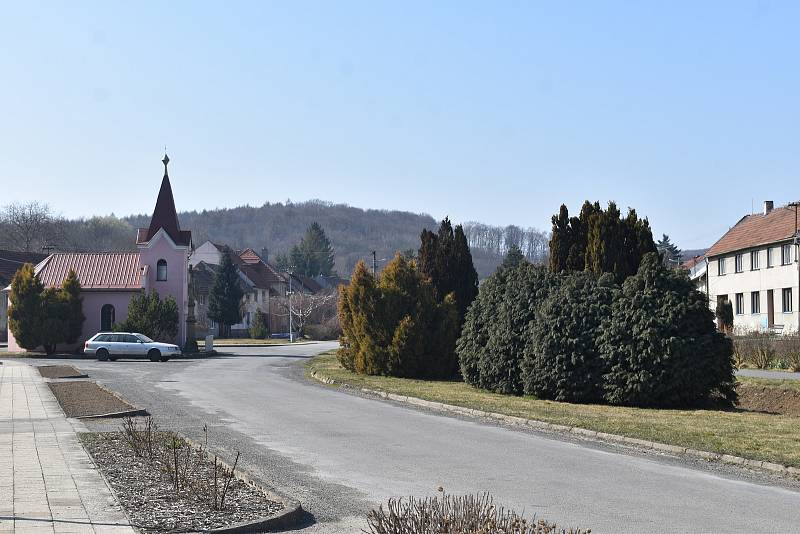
[[165, 161]]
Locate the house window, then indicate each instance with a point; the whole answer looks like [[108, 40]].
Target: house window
[[202, 299], [161, 271], [754, 260], [721, 266], [786, 254], [769, 257], [738, 263], [107, 317], [787, 300], [755, 302], [739, 303]]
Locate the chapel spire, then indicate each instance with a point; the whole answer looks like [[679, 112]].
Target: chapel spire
[[165, 216]]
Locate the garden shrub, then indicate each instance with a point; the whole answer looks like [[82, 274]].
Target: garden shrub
[[148, 314], [395, 326], [661, 347], [561, 360], [494, 335], [258, 330], [448, 514]]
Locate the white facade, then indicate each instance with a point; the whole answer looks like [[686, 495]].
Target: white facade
[[207, 252], [762, 285]]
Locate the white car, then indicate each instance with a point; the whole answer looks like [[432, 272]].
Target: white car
[[113, 345]]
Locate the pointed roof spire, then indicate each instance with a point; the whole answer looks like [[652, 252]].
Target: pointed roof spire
[[165, 215]]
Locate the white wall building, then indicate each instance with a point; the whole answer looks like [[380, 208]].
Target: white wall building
[[754, 266]]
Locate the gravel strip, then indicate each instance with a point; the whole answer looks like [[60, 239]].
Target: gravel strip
[[59, 371], [79, 399], [149, 497]]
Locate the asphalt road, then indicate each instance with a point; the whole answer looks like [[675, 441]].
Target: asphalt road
[[341, 454]]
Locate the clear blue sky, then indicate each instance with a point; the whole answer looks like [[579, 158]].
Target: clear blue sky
[[496, 111]]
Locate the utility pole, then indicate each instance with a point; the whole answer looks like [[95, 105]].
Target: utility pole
[[289, 298], [374, 264]]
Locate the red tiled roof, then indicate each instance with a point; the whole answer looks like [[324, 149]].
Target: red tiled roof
[[688, 264], [756, 230], [95, 270], [249, 255]]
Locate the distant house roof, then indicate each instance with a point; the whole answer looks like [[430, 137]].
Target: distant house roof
[[165, 216], [95, 270], [249, 255], [688, 264], [11, 261], [308, 283], [260, 274], [757, 230]]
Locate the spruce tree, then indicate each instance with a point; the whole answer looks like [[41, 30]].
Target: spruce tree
[[25, 312], [670, 253], [314, 255], [152, 316], [224, 300]]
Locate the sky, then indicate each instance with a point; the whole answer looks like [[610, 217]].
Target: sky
[[495, 111]]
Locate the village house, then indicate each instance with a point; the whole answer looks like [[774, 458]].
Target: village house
[[262, 284], [754, 266], [110, 279], [10, 262]]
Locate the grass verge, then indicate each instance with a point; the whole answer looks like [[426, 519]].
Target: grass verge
[[752, 435]]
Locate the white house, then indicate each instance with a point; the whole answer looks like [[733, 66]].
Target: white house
[[754, 266]]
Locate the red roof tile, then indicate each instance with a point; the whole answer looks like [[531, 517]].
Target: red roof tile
[[95, 270], [757, 230]]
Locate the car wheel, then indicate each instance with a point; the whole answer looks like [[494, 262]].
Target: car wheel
[[102, 355], [154, 355]]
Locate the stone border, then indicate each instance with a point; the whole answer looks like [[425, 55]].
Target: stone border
[[591, 435], [290, 517]]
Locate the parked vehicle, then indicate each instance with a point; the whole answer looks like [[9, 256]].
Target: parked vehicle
[[114, 345]]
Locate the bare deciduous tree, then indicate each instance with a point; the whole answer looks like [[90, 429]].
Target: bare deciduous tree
[[304, 307], [30, 226]]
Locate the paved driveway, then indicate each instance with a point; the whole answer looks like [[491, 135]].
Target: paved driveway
[[341, 453], [762, 373]]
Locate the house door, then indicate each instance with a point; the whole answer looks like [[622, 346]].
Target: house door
[[770, 309]]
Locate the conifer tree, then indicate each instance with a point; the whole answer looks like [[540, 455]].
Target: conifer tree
[[560, 241], [24, 314], [670, 253], [445, 258], [513, 258], [314, 255], [71, 293], [152, 316], [55, 322], [224, 300]]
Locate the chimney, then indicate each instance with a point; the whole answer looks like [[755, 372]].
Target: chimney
[[768, 204], [264, 255]]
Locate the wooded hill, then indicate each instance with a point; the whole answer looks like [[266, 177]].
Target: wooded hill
[[353, 232]]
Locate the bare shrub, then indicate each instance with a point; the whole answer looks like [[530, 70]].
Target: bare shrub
[[186, 466], [447, 514], [755, 348]]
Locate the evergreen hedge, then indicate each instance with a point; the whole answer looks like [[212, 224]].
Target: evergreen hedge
[[494, 335], [578, 338], [661, 347], [562, 361]]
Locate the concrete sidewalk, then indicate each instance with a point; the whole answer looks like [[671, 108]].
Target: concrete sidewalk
[[48, 483]]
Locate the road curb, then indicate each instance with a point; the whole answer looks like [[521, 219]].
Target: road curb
[[291, 516], [583, 433]]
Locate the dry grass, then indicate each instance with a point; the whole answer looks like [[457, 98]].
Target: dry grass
[[749, 434], [770, 382]]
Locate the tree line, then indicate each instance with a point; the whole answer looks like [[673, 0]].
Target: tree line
[[353, 232]]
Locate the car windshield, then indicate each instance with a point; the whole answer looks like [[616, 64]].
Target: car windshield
[[144, 338]]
